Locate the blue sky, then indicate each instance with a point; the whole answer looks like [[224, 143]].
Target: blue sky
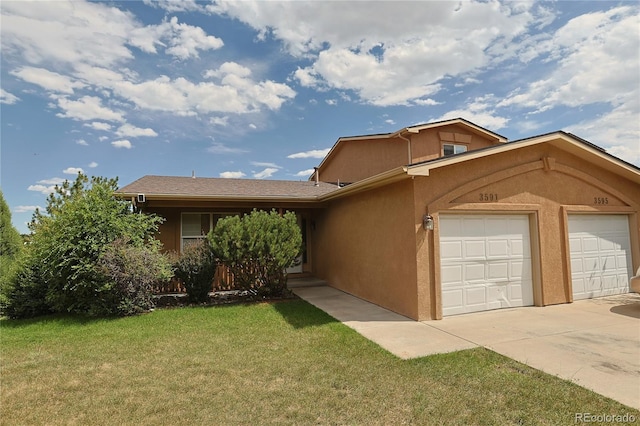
[[263, 89]]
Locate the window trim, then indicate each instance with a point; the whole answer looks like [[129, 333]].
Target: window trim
[[211, 214], [455, 146]]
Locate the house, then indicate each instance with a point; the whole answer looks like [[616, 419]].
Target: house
[[440, 219]]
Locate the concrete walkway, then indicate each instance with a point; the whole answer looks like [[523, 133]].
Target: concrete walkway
[[594, 343]]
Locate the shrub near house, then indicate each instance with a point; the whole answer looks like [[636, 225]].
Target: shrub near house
[[257, 249], [72, 264]]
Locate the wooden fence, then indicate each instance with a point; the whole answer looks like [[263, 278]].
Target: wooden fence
[[222, 280]]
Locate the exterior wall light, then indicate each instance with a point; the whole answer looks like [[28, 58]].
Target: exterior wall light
[[427, 222]]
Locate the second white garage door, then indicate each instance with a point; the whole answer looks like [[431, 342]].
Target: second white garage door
[[485, 262], [600, 255]]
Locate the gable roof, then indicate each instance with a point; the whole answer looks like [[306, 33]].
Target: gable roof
[[566, 141], [179, 187], [412, 129]]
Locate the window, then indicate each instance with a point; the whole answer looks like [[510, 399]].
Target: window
[[196, 226], [451, 149]]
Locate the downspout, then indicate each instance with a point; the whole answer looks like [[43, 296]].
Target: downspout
[[408, 146]]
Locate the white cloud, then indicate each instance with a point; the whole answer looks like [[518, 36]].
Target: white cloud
[[87, 108], [266, 173], [46, 190], [66, 32], [129, 130], [7, 98], [331, 102], [187, 40], [618, 132], [173, 6], [25, 209], [72, 170], [219, 148], [232, 175], [124, 143], [364, 50], [262, 164], [97, 125], [252, 126], [314, 153], [82, 142], [52, 181], [236, 94], [305, 173], [48, 80], [219, 121], [93, 164], [597, 63]]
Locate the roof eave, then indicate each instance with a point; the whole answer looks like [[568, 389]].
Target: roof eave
[[385, 178]]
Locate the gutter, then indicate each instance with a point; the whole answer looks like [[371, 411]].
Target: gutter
[[376, 181]]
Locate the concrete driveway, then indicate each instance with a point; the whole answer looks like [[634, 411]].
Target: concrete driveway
[[594, 343]]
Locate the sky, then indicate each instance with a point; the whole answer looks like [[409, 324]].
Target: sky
[[262, 90]]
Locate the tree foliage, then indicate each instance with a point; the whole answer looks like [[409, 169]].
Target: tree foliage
[[257, 248], [10, 239], [10, 248], [68, 241], [196, 267]]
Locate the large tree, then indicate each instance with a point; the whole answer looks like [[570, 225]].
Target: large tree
[[10, 239], [10, 247], [65, 264]]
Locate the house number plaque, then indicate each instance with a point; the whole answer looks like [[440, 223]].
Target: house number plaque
[[488, 196], [600, 200]]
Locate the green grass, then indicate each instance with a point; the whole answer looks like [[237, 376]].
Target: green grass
[[280, 363]]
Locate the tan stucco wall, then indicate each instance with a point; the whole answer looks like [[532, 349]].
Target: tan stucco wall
[[547, 190], [354, 160], [365, 245]]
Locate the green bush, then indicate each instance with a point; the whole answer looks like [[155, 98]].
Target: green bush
[[67, 242], [257, 249], [26, 293], [10, 248], [133, 273], [196, 267]]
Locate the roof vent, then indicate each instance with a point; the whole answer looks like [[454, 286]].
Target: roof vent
[[193, 174]]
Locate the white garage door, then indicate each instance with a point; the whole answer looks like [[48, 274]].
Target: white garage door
[[600, 255], [485, 262]]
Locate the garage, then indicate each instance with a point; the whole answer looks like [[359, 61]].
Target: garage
[[600, 251], [485, 262]]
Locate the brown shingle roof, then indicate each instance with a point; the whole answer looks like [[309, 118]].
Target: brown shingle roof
[[200, 187]]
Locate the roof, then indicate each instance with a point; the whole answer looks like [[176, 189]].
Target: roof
[[567, 141], [178, 187], [418, 127], [412, 129]]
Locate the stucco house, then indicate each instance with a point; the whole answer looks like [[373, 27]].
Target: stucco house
[[439, 219]]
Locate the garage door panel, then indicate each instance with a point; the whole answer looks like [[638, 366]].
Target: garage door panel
[[495, 260], [600, 252], [498, 248], [451, 250], [474, 272], [451, 275], [474, 249]]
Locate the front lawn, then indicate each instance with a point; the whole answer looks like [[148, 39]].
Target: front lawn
[[270, 363]]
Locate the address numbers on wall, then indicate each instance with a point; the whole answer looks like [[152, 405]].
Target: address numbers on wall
[[488, 196], [600, 200]]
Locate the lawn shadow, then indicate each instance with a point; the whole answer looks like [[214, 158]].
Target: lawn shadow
[[301, 314], [57, 319]]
